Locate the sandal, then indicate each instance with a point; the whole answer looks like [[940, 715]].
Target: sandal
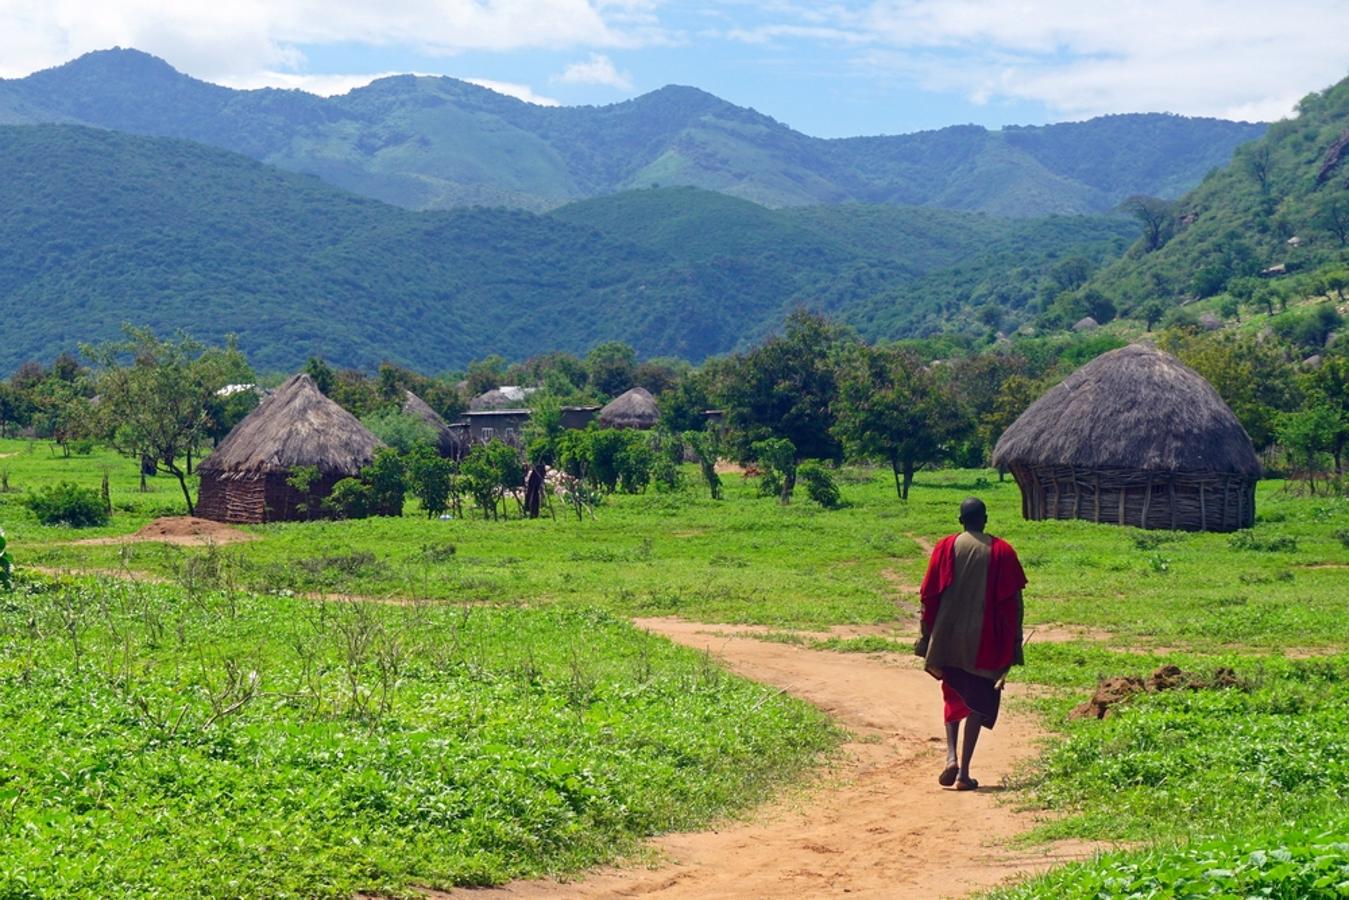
[[948, 775], [967, 784]]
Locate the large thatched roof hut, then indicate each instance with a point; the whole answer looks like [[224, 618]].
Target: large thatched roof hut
[[245, 478], [447, 442], [635, 408], [1134, 437]]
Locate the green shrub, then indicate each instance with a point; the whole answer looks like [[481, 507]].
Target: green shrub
[[350, 499], [820, 485], [400, 430], [67, 504]]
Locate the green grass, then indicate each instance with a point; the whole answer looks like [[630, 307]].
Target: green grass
[[168, 742], [1197, 779]]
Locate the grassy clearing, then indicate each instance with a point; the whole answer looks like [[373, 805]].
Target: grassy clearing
[[354, 746], [1206, 780]]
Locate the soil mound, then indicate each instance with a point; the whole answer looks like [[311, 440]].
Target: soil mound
[[185, 531], [1111, 692]]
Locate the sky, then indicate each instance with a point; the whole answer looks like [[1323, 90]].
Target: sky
[[830, 69]]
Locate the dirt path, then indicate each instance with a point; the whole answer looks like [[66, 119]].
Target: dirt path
[[877, 826]]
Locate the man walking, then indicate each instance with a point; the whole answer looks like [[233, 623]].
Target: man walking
[[972, 615]]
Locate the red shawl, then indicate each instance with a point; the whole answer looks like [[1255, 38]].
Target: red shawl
[[997, 641]]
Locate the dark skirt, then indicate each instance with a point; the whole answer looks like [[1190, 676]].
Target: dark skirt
[[979, 693]]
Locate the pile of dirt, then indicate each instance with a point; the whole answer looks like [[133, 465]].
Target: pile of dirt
[[185, 531], [1111, 692]]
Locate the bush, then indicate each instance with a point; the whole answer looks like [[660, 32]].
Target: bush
[[350, 499], [399, 430], [820, 485], [68, 504]]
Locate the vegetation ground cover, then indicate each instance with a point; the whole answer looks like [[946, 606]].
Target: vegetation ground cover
[[1202, 780]]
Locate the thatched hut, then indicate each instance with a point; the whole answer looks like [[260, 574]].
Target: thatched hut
[[1134, 437], [245, 478], [447, 442], [635, 408]]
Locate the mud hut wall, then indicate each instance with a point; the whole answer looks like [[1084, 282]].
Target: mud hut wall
[[286, 504], [241, 501], [1183, 501]]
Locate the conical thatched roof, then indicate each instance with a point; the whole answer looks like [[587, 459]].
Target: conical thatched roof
[[418, 408], [1132, 408], [635, 408], [295, 426]]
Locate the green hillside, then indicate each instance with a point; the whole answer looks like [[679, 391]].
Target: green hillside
[[435, 143], [1282, 202], [104, 228]]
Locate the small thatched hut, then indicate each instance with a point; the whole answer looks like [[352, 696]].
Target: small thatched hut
[[635, 408], [245, 478], [447, 443], [1134, 437]]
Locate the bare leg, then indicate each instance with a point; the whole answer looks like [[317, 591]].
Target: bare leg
[[952, 733], [973, 723]]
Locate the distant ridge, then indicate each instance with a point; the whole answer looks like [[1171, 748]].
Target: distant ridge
[[435, 143], [102, 228]]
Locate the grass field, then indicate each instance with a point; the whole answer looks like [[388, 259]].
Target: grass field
[[368, 739]]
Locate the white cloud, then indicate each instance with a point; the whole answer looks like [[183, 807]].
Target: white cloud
[[511, 89], [598, 69], [1229, 58], [241, 38]]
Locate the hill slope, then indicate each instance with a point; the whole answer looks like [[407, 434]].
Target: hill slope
[[434, 143], [102, 228], [1283, 201]]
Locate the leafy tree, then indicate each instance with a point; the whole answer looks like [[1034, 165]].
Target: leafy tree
[[777, 459], [486, 374], [322, 373], [351, 498], [682, 405], [399, 430], [1308, 434], [1332, 215], [891, 408], [785, 387], [157, 407], [1328, 386], [611, 368], [820, 485], [387, 477], [431, 478], [488, 472], [1154, 215], [705, 446], [15, 411]]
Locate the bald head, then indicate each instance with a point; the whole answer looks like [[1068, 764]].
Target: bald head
[[973, 514]]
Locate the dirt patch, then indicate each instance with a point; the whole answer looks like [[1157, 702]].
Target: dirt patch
[[1055, 633], [920, 541], [726, 467], [184, 531], [877, 826], [1113, 691], [8, 455]]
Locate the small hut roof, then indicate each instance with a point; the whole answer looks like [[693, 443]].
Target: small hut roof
[[635, 408], [1133, 408], [419, 409], [294, 426], [1086, 323], [506, 396]]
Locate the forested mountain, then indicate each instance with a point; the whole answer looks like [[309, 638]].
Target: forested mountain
[[99, 228], [434, 143], [1281, 207]]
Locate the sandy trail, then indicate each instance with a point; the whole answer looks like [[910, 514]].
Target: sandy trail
[[877, 826]]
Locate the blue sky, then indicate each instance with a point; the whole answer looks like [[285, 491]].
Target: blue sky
[[830, 69]]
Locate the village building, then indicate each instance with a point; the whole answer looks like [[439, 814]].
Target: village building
[[246, 478], [635, 408], [1134, 437]]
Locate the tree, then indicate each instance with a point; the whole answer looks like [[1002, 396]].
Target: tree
[[785, 387], [1257, 158], [611, 368], [777, 460], [489, 470], [322, 374], [1154, 215], [431, 478], [485, 374], [157, 406], [1332, 215], [1308, 434], [1151, 312], [889, 407], [1328, 385]]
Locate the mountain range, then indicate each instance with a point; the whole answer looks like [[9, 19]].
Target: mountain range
[[439, 143], [100, 228]]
